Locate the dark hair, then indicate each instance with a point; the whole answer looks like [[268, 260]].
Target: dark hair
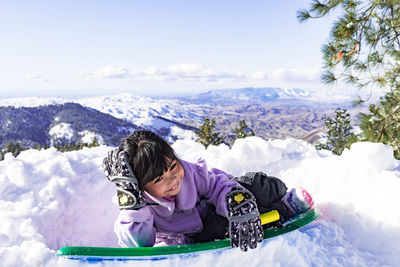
[[148, 154]]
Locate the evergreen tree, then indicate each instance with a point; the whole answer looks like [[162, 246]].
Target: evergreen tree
[[242, 131], [206, 135], [18, 149], [80, 146], [14, 149], [340, 134], [94, 143], [10, 147], [382, 123], [37, 147], [364, 50]]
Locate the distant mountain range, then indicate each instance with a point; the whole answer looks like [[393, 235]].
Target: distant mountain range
[[270, 112], [253, 95]]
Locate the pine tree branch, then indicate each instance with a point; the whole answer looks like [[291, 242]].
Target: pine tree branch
[[394, 28]]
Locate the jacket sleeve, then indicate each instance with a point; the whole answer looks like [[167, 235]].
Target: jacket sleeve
[[134, 228], [213, 185]]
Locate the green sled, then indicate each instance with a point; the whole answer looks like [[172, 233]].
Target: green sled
[[159, 253]]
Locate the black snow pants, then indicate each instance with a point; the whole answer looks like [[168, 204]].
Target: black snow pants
[[266, 189]]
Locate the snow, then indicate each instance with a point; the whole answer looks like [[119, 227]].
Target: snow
[[142, 111], [61, 131], [87, 137], [183, 134], [50, 199]]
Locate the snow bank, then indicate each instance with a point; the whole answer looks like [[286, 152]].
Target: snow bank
[[50, 199]]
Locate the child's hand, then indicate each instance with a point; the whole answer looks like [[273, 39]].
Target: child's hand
[[245, 228], [118, 170]]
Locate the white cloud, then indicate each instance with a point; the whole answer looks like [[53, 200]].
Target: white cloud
[[180, 72], [197, 72], [261, 75], [37, 78]]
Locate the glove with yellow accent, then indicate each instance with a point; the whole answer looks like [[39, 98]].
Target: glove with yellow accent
[[118, 170], [245, 228]]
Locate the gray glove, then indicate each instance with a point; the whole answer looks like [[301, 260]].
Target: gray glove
[[118, 170], [245, 228]]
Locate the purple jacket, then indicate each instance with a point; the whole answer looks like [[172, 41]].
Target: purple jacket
[[138, 228]]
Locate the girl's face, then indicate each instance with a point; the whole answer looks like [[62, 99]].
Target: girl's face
[[169, 183]]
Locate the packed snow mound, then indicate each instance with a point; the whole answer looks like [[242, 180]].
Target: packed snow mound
[[50, 199]]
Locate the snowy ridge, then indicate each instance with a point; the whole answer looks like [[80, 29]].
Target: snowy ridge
[[145, 112], [122, 106], [141, 110], [167, 116], [50, 199]]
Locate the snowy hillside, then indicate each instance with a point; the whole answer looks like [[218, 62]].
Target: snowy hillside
[[145, 112], [154, 114], [50, 199], [62, 124]]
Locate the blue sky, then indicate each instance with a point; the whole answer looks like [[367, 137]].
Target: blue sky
[[83, 48]]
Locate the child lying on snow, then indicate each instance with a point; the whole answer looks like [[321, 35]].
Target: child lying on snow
[[164, 199]]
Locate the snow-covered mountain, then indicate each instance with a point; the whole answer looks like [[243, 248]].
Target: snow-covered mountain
[[255, 94], [62, 124], [18, 123], [147, 112], [270, 112]]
